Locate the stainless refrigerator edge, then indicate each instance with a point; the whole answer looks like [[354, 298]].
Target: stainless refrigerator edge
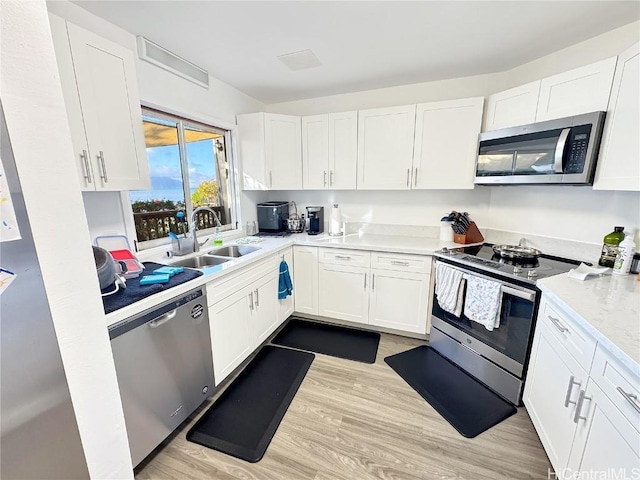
[[39, 436]]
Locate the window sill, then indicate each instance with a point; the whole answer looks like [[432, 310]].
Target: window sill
[[159, 253]]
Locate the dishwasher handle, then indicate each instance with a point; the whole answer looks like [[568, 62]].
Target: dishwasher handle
[[164, 318]]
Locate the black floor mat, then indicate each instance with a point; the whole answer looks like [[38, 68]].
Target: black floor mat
[[245, 418], [470, 407], [333, 340]]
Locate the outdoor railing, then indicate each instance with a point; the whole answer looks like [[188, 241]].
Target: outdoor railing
[[152, 225]]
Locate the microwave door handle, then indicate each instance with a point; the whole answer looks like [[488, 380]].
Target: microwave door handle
[[559, 154]]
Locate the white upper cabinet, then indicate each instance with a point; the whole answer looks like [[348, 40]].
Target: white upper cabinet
[[330, 151], [385, 148], [619, 162], [513, 107], [581, 90], [103, 105], [270, 151], [446, 142], [343, 150], [315, 152]]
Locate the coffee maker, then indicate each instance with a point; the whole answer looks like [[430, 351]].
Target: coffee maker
[[316, 220]]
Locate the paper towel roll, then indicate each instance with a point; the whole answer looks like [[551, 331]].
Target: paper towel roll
[[336, 220]]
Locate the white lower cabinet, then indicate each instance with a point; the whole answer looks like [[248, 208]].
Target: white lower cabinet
[[399, 300], [305, 273], [265, 316], [389, 290], [584, 406], [343, 292]]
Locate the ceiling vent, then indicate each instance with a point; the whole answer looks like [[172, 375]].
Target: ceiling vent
[[300, 60], [166, 60]]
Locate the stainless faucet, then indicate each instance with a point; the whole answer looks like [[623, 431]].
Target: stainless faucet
[[194, 227]]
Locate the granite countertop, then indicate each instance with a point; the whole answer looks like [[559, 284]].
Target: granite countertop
[[609, 306]]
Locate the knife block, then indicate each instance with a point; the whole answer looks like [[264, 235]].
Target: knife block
[[472, 235]]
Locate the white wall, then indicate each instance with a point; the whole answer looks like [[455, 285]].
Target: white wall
[[219, 105], [573, 213], [32, 101]]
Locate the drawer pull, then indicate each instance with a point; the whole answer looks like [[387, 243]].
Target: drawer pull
[[401, 264], [631, 398], [567, 398], [557, 324], [581, 398], [373, 281], [257, 299], [365, 281], [343, 257], [251, 301]]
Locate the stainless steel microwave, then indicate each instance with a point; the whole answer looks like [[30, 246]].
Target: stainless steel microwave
[[562, 151]]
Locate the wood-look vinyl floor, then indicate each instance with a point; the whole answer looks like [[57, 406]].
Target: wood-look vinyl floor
[[355, 421]]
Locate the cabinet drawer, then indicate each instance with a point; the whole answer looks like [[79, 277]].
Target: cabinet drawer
[[227, 285], [339, 256], [401, 262], [577, 341], [618, 383]]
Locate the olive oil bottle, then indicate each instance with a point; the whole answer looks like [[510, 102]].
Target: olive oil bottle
[[610, 247]]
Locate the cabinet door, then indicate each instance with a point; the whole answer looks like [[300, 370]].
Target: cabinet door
[[618, 165], [305, 275], [231, 334], [252, 151], [385, 148], [72, 102], [344, 293], [446, 144], [582, 90], [554, 379], [283, 151], [513, 107], [605, 440], [399, 300], [343, 150], [286, 305], [315, 152], [108, 90], [265, 314]]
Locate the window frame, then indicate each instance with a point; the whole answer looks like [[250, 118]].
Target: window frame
[[231, 151]]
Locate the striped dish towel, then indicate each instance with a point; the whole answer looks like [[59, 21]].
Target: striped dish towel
[[284, 283]]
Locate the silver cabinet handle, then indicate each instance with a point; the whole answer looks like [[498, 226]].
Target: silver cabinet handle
[[270, 179], [631, 398], [343, 257], [373, 282], [331, 178], [408, 176], [251, 301], [402, 264], [257, 299], [581, 398], [365, 281], [567, 398], [557, 324], [415, 178], [325, 178], [164, 318], [85, 165], [104, 168]]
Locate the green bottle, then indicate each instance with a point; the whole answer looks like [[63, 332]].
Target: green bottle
[[610, 247]]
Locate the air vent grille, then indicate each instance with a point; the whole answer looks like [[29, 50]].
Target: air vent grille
[[166, 60]]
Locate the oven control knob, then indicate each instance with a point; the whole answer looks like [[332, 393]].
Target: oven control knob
[[517, 270], [532, 273]]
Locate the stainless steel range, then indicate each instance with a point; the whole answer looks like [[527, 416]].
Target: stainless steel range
[[498, 357]]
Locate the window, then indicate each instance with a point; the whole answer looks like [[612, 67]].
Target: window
[[189, 168]]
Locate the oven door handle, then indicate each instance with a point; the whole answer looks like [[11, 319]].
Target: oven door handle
[[518, 293], [559, 153]]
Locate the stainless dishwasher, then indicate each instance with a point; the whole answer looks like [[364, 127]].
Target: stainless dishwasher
[[164, 368]]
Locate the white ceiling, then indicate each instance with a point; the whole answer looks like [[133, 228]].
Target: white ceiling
[[361, 44]]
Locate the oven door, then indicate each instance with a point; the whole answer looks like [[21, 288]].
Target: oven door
[[507, 345]]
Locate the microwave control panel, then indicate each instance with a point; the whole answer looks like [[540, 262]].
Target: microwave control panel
[[577, 153]]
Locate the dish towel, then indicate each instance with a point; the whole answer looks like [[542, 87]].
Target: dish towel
[[483, 302], [284, 282], [449, 288]]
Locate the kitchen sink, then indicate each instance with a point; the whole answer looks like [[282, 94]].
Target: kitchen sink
[[202, 261], [233, 251]]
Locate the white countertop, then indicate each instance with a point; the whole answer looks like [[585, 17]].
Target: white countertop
[[270, 245], [609, 306]]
